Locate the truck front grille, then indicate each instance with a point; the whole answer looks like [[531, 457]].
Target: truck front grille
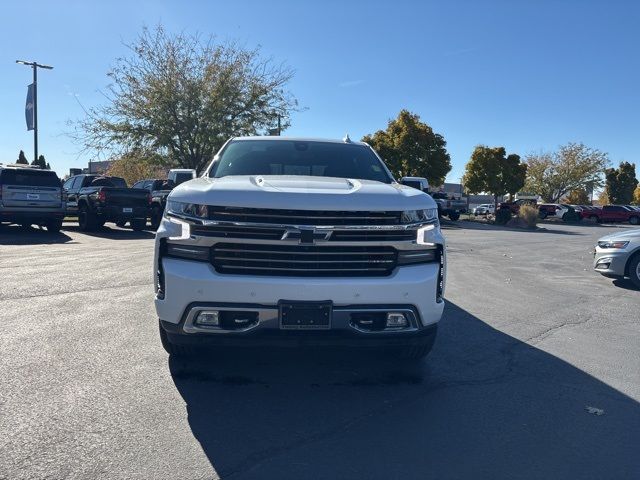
[[276, 233], [301, 217], [303, 260]]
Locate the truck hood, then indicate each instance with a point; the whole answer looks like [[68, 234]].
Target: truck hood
[[301, 193]]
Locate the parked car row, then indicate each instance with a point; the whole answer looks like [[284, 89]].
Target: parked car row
[[566, 212], [32, 196], [613, 213], [448, 205]]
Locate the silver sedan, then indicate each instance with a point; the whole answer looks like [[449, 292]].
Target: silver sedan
[[618, 255]]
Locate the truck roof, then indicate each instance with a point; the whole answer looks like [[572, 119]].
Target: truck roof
[[20, 165], [299, 139]]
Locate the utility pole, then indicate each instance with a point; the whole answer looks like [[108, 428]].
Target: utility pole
[[35, 67]]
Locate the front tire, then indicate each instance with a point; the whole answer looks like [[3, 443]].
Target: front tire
[[138, 224], [156, 217], [171, 348], [634, 270], [54, 226], [454, 216], [634, 220], [86, 219], [418, 351]]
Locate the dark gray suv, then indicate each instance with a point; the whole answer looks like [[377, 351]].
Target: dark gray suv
[[29, 195]]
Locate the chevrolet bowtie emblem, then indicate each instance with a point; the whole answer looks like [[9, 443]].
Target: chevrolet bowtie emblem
[[306, 235]]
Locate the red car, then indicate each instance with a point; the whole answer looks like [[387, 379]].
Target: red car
[[612, 213], [515, 206]]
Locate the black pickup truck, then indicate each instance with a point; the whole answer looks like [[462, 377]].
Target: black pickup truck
[[97, 199], [159, 190]]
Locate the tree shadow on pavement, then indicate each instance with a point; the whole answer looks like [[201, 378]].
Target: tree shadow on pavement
[[114, 233], [541, 229], [16, 235], [483, 405]]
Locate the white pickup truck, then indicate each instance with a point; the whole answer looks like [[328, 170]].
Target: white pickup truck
[[292, 242]]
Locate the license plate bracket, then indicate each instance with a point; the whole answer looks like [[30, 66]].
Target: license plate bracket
[[305, 315]]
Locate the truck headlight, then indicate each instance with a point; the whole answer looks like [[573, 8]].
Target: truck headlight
[[418, 216], [188, 209], [613, 244]]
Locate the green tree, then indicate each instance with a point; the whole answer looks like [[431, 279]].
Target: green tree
[[579, 196], [492, 170], [552, 175], [22, 159], [636, 195], [621, 183], [182, 98], [40, 162], [411, 148]]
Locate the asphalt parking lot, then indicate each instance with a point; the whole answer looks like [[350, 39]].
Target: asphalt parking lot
[[532, 342]]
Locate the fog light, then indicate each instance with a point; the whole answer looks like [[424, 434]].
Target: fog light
[[396, 320], [208, 318], [603, 263]]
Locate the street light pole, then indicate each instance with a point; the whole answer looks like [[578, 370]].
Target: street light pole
[[35, 67]]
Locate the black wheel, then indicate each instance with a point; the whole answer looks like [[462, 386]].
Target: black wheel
[[633, 270], [86, 219], [54, 226], [454, 216], [156, 217], [171, 348], [634, 220], [121, 223], [542, 214], [594, 218], [418, 351], [138, 224]]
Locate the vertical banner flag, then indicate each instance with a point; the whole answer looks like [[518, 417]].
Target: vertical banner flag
[[28, 108]]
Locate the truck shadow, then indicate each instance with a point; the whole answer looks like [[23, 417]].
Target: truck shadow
[[483, 405], [16, 235]]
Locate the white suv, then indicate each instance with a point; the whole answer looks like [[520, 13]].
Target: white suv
[[288, 241]]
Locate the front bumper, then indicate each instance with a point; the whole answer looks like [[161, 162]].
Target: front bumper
[[267, 332], [610, 262], [190, 282]]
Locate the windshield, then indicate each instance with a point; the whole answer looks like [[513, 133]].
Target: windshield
[[292, 157], [32, 178], [183, 177]]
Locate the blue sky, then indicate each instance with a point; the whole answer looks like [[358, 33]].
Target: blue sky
[[525, 75]]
